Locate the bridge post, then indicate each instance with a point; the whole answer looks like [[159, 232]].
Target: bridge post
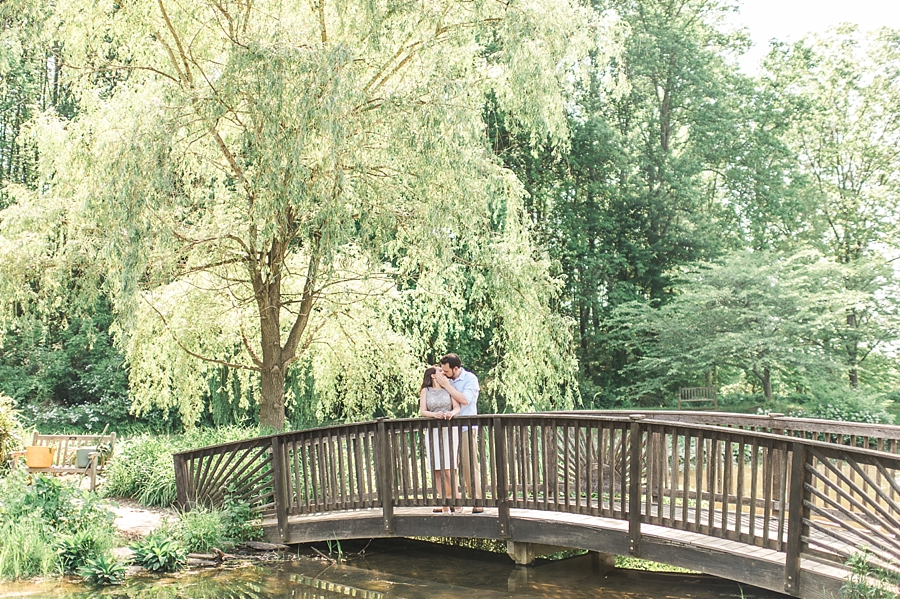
[[501, 492], [634, 486], [797, 512], [383, 462], [281, 499], [182, 480]]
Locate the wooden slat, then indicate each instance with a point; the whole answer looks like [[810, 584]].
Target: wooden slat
[[754, 490], [536, 460], [484, 429], [685, 483]]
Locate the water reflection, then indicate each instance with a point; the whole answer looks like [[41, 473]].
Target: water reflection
[[404, 569]]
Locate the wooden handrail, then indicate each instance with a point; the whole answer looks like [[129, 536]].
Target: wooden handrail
[[756, 480]]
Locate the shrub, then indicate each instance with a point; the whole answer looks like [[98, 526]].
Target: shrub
[[73, 551], [868, 581], [200, 530], [203, 529], [241, 523], [159, 554], [142, 466], [846, 406], [11, 433], [48, 525], [25, 549]]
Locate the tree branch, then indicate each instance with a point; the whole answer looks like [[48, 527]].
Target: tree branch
[[306, 304], [189, 79], [192, 353]]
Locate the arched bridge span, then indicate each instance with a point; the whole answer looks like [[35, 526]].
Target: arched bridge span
[[779, 503]]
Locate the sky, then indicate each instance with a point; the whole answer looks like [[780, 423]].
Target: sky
[[790, 20]]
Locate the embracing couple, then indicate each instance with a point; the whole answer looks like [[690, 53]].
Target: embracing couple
[[449, 390]]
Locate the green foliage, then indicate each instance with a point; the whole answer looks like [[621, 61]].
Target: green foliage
[[634, 563], [11, 433], [202, 529], [335, 551], [335, 162], [241, 523], [333, 192], [103, 570], [26, 548], [48, 525], [159, 554], [847, 405], [867, 580], [142, 466], [772, 318], [66, 376], [76, 549]]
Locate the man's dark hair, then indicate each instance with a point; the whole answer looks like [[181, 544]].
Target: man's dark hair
[[426, 381], [452, 360]]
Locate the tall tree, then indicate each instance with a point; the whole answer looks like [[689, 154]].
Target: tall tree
[[260, 165], [642, 188], [847, 139]]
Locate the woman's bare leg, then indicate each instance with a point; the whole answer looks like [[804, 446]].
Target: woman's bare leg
[[442, 487], [447, 489]]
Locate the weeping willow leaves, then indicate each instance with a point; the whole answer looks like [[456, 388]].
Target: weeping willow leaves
[[273, 178]]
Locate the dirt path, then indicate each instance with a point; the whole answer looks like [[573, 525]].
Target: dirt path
[[135, 520]]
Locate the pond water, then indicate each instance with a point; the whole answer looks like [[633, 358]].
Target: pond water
[[402, 569]]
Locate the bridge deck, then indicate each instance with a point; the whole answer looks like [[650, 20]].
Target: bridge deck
[[745, 563]]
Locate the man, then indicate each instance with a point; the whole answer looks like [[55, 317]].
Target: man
[[463, 386]]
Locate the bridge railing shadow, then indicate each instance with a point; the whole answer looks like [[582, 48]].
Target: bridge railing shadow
[[756, 484]]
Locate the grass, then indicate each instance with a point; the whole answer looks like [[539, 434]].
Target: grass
[[869, 581], [142, 466]]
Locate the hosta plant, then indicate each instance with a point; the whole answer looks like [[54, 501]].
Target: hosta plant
[[159, 554], [103, 569]]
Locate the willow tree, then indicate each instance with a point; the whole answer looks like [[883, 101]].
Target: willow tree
[[256, 168]]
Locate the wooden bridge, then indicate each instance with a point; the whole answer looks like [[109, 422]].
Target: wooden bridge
[[778, 503]]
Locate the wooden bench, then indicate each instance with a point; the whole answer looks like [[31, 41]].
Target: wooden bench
[[699, 395], [67, 446]]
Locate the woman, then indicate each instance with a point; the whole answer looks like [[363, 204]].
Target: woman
[[435, 402]]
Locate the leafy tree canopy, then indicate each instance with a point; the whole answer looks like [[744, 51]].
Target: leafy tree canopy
[[775, 318], [262, 180]]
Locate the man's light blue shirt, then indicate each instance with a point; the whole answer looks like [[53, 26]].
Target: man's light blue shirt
[[467, 384]]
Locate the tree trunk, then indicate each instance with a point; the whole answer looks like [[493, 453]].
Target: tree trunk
[[853, 349], [766, 379], [271, 403], [767, 385], [268, 300], [277, 356], [271, 400]]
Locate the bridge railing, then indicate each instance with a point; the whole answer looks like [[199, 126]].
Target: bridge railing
[[854, 434], [802, 497]]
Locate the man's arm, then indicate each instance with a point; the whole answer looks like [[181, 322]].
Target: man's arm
[[444, 382]]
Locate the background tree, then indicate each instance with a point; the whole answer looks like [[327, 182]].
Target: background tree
[[642, 190], [765, 315], [847, 140], [55, 348]]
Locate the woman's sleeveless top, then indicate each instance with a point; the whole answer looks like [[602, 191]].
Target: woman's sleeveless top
[[438, 400]]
